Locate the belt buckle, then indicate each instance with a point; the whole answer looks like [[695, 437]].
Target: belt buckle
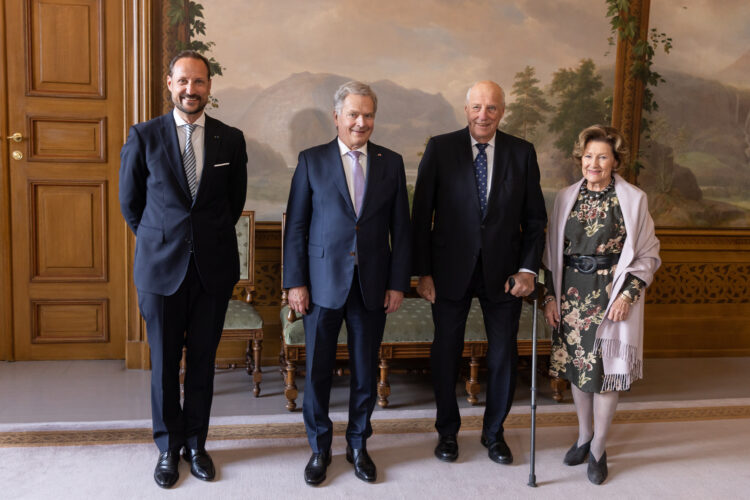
[[586, 264]]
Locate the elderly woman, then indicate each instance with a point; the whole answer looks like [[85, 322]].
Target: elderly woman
[[602, 254]]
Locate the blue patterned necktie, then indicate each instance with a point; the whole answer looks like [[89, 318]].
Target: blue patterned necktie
[[188, 160], [480, 173]]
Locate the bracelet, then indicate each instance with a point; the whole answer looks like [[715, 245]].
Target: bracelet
[[626, 298], [547, 300]]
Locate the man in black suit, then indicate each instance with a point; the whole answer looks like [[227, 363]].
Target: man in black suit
[[183, 181], [478, 220]]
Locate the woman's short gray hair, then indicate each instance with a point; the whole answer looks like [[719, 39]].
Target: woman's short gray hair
[[356, 88], [609, 135]]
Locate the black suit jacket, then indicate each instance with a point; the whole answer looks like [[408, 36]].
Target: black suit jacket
[[155, 201], [510, 237]]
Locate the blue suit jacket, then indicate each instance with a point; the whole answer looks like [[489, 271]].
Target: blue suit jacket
[[323, 232], [155, 201], [449, 232]]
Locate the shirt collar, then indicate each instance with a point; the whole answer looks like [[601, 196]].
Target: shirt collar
[[343, 148], [491, 142], [201, 121]]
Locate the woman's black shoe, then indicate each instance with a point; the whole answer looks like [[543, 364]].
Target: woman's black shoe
[[576, 455], [597, 471]]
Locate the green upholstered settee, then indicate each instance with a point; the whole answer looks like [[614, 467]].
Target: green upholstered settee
[[408, 335], [242, 321]]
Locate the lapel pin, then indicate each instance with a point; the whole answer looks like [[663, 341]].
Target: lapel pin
[[380, 154]]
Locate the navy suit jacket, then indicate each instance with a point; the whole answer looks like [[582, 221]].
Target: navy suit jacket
[[323, 232], [510, 237], [155, 201]]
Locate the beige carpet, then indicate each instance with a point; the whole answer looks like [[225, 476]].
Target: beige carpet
[[660, 451]]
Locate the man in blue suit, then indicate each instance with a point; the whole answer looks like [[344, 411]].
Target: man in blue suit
[[346, 258], [183, 181], [478, 221]]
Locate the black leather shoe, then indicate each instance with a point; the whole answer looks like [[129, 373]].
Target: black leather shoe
[[201, 465], [364, 467], [315, 471], [447, 448], [497, 450], [576, 455], [166, 473], [597, 471]]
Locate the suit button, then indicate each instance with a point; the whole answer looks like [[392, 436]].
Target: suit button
[[351, 253], [356, 228]]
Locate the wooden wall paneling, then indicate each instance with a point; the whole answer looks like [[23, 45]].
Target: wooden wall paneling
[[65, 60], [6, 304]]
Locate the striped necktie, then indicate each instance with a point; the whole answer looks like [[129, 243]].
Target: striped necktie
[[188, 160]]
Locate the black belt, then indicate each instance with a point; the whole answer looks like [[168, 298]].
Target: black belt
[[589, 264]]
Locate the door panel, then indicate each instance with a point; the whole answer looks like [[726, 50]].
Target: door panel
[[65, 96]]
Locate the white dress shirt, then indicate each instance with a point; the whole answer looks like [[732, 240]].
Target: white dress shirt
[[196, 138], [346, 161]]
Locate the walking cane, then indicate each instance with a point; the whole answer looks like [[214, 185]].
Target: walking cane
[[512, 282]]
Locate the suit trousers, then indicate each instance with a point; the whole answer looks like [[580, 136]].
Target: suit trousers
[[364, 335], [193, 318], [501, 324]]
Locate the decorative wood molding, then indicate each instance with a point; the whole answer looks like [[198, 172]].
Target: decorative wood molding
[[628, 91]]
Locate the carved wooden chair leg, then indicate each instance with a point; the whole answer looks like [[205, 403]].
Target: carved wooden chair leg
[[290, 389], [472, 383], [558, 388], [183, 364], [257, 373], [384, 387]]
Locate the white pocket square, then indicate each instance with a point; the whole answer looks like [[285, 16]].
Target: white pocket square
[[221, 164]]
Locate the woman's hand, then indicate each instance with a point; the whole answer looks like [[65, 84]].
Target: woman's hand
[[619, 310], [551, 316]]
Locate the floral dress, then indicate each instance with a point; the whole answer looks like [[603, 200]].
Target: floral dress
[[595, 226]]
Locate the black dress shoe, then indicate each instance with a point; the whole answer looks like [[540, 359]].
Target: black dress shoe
[[166, 473], [447, 448], [201, 465], [576, 455], [497, 450], [364, 467], [597, 471], [315, 471]]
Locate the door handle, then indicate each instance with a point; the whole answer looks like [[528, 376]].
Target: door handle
[[16, 137]]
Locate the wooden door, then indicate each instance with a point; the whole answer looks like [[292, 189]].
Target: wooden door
[[66, 103]]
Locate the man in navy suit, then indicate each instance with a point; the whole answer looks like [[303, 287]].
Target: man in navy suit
[[346, 258], [478, 221], [183, 181]]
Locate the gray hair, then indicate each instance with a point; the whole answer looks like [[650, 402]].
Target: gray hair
[[502, 93], [356, 88]]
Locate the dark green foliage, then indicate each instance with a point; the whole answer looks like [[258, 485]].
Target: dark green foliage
[[528, 108], [580, 103]]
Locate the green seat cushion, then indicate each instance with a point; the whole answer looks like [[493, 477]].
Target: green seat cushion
[[242, 316], [413, 323]]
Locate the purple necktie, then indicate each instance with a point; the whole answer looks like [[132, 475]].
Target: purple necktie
[[358, 177]]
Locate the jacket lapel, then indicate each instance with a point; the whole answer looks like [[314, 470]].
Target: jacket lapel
[[500, 166], [171, 145], [333, 158], [211, 144], [465, 161], [375, 172]]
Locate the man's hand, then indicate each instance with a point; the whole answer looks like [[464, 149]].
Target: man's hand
[[426, 288], [299, 299], [524, 284], [393, 299], [619, 310]]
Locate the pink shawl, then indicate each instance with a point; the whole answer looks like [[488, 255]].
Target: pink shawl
[[622, 341]]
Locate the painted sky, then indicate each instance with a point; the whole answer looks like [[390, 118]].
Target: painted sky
[[433, 45], [708, 35]]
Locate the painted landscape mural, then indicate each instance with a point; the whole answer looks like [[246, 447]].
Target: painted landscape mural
[[282, 62]]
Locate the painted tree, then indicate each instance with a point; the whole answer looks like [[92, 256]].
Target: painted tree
[[579, 102], [528, 108]]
